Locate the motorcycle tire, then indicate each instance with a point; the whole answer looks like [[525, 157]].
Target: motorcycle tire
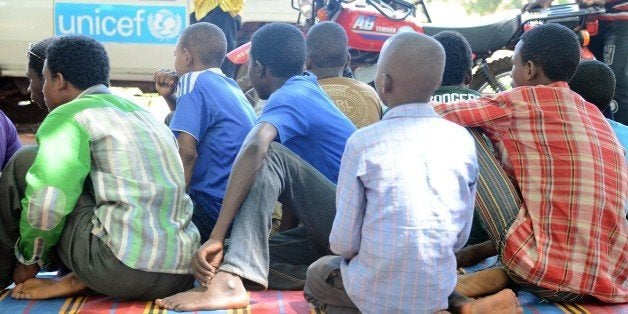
[[499, 81]]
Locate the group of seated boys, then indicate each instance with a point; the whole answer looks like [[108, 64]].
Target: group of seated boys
[[378, 218]]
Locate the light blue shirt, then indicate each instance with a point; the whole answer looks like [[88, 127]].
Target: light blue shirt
[[404, 204], [621, 131]]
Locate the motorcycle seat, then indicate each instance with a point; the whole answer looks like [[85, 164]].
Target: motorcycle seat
[[488, 36]]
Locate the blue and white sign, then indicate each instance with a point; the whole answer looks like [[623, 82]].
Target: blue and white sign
[[121, 23]]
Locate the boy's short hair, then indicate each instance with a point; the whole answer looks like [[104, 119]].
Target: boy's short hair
[[37, 54], [206, 41], [81, 60], [553, 47], [327, 45], [595, 82], [281, 48], [458, 58]]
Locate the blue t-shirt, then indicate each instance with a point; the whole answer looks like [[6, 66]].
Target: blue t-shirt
[[309, 124], [212, 108], [621, 131]]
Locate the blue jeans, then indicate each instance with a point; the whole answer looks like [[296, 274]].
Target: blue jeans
[[281, 261]]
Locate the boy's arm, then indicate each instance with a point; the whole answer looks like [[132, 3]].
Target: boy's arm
[[463, 236], [243, 173], [188, 153], [346, 232], [189, 123], [490, 113], [54, 184]]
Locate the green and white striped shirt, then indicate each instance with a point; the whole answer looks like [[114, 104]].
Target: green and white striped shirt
[[142, 211]]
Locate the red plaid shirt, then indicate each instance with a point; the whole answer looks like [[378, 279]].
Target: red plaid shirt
[[571, 233]]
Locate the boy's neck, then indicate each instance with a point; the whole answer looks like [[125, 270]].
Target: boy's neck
[[323, 73], [276, 83], [202, 67]]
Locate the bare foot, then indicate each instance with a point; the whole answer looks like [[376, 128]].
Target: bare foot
[[502, 302], [39, 289], [483, 282], [473, 254], [225, 291]]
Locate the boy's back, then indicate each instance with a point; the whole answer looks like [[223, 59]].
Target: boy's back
[[135, 171], [309, 124], [357, 100], [9, 141], [573, 179], [419, 210], [212, 108]]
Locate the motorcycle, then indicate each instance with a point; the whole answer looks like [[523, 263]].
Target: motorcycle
[[488, 39], [369, 23]]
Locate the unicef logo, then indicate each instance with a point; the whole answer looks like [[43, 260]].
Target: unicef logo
[[164, 24]]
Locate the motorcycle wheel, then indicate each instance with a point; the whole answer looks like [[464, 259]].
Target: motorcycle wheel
[[500, 80]]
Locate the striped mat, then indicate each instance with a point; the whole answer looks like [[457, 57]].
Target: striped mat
[[264, 302]]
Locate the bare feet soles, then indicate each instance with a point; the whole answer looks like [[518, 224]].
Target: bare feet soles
[[502, 302], [225, 291], [484, 282], [38, 289]]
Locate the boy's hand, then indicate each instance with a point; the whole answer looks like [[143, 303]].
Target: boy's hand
[[24, 272], [536, 4], [588, 3], [207, 260], [165, 82]]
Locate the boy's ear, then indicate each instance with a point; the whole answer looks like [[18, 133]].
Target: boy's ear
[[348, 61], [530, 71], [387, 84], [188, 57], [308, 62], [468, 76], [261, 70], [59, 82]]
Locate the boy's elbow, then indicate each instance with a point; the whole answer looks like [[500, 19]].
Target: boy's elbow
[[342, 250], [188, 155], [257, 146]]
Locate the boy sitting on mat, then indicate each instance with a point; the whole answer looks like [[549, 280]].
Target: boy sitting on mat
[[404, 200], [568, 241], [103, 193]]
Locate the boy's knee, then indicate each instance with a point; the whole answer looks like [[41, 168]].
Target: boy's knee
[[320, 275]]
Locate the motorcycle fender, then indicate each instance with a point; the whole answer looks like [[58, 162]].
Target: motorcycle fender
[[240, 55]]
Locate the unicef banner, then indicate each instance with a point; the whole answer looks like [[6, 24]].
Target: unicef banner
[[121, 23]]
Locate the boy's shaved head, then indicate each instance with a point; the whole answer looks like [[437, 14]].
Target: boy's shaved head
[[410, 68], [206, 41]]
